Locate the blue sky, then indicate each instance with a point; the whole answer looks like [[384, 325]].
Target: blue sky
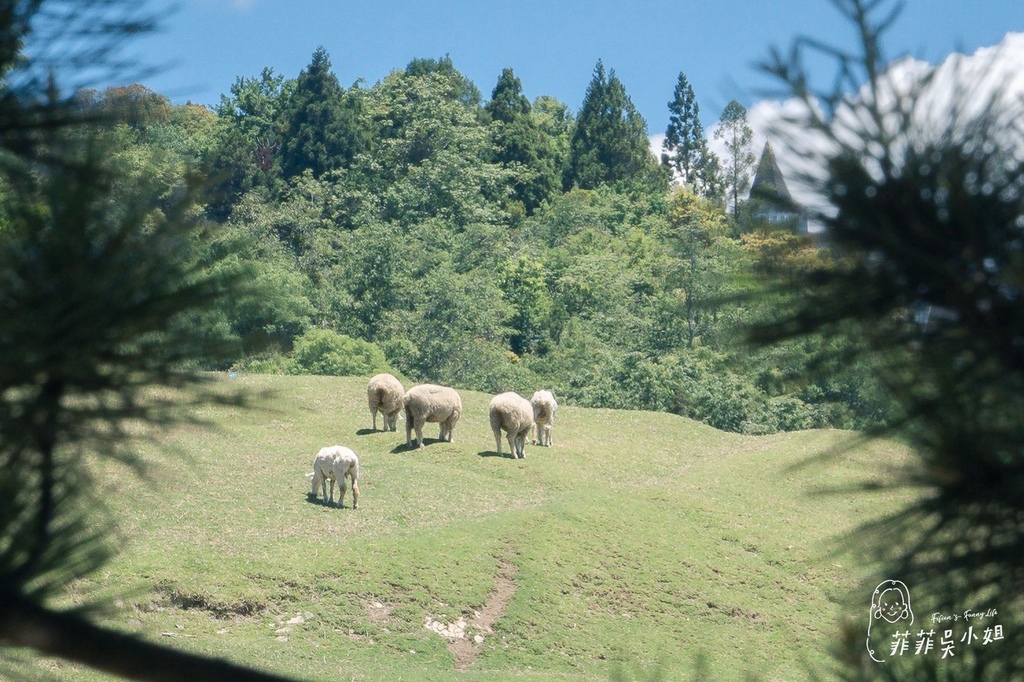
[[552, 45]]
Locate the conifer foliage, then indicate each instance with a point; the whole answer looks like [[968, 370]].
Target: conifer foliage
[[610, 142], [321, 127], [100, 282], [927, 217], [685, 149], [521, 145]]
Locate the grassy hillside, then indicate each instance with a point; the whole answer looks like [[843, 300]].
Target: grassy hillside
[[635, 544]]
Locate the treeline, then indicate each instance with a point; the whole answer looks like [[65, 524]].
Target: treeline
[[493, 244]]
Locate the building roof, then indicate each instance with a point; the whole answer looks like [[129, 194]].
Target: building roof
[[768, 181]]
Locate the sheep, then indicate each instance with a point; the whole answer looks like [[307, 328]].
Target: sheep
[[544, 407], [385, 394], [430, 403], [335, 463], [512, 413]]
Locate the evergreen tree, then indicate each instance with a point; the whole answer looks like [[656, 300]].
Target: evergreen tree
[[610, 141], [507, 100], [739, 160], [322, 130], [100, 287], [686, 152], [246, 153], [465, 90], [925, 210], [519, 144]]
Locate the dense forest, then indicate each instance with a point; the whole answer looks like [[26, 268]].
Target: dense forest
[[490, 243]]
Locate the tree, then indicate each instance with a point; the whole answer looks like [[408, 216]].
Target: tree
[[524, 288], [685, 147], [700, 281], [432, 157], [520, 144], [610, 142], [464, 90], [739, 160], [924, 183], [135, 105], [247, 152], [322, 130], [556, 123], [97, 284]]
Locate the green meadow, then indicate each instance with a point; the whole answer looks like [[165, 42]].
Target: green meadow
[[641, 544]]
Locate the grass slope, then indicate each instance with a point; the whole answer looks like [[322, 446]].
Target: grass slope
[[636, 544]]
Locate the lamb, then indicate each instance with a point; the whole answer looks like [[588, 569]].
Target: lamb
[[431, 403], [512, 413], [544, 407], [335, 463], [385, 394]]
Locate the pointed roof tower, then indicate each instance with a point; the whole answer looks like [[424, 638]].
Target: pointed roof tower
[[776, 204], [768, 181]]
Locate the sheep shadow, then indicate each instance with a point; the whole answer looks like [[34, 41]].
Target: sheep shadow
[[494, 453], [313, 499], [367, 432], [402, 447]]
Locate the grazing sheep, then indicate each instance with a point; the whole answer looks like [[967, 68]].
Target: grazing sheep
[[430, 403], [335, 463], [544, 407], [512, 413], [385, 394]]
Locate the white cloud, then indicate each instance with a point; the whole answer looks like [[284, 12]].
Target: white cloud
[[974, 80], [656, 142]]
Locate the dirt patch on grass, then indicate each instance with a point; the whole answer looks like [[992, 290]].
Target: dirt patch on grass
[[378, 612], [219, 609], [466, 636]]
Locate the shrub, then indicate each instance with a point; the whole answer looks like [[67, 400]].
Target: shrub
[[326, 352]]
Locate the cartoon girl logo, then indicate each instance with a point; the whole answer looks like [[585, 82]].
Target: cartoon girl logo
[[890, 605]]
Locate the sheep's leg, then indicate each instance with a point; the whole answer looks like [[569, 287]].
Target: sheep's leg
[[374, 413], [419, 433], [408, 429], [512, 449], [341, 492], [331, 501], [355, 492]]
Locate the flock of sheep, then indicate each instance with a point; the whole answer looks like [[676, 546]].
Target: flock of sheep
[[508, 412]]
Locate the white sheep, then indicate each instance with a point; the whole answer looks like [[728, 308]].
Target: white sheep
[[385, 394], [544, 407], [512, 413], [430, 403], [335, 463]]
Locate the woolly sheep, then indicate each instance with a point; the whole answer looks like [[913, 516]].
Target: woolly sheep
[[385, 394], [544, 407], [512, 413], [430, 403], [335, 463]]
